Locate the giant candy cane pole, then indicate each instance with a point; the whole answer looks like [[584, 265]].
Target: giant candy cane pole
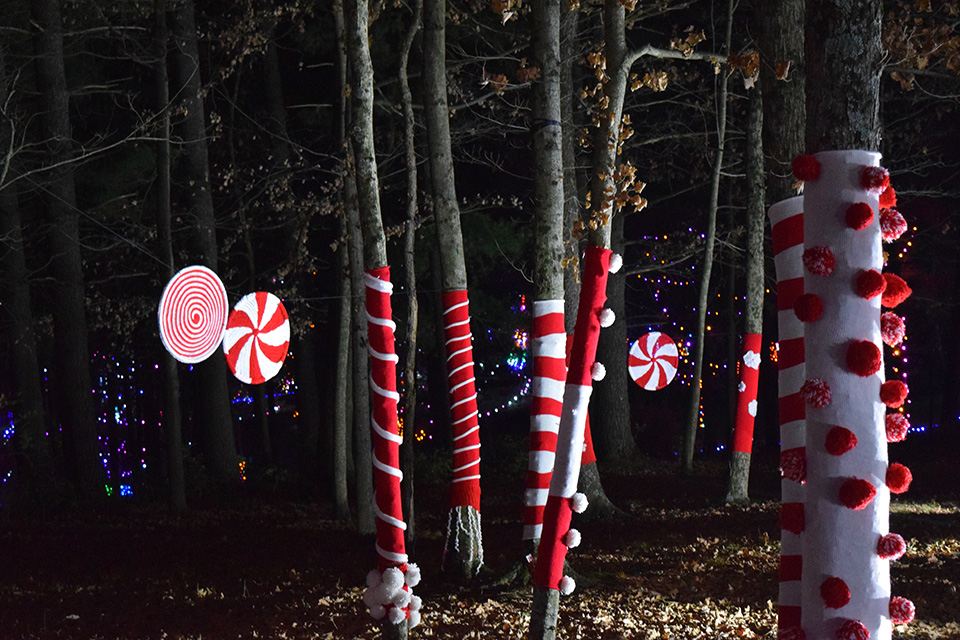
[[549, 374], [461, 385], [557, 536], [786, 222], [389, 589], [846, 573]]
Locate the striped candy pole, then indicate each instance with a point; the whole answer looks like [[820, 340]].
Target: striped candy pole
[[464, 417], [557, 536], [747, 396], [549, 374], [389, 588], [786, 221], [846, 578]]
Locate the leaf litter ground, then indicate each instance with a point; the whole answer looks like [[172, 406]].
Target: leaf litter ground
[[677, 566]]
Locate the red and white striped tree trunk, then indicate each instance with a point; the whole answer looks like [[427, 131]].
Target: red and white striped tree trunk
[[464, 511], [786, 222], [549, 374]]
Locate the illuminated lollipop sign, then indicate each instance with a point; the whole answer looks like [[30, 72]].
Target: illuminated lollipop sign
[[257, 337], [653, 360], [193, 314]]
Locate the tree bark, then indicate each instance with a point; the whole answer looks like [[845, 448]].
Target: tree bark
[[213, 410], [784, 109], [693, 412], [843, 65], [172, 426], [69, 315], [738, 485], [341, 503]]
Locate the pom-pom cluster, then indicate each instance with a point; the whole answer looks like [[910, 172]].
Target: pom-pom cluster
[[835, 593], [816, 393], [859, 216], [870, 284], [891, 546], [892, 329], [856, 493], [893, 393], [819, 261], [839, 441], [793, 464], [808, 307], [864, 358], [895, 291], [901, 610], [892, 224], [853, 630], [896, 425], [390, 595], [898, 478]]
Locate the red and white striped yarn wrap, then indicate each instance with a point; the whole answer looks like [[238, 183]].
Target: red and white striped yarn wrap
[[548, 571], [386, 438], [786, 222], [461, 386], [840, 539], [549, 374], [747, 396]]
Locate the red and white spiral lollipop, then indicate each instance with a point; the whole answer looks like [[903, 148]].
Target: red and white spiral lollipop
[[193, 314], [653, 360], [257, 337]]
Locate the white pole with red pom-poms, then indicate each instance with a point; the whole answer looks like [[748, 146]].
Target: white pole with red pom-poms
[[846, 580], [786, 223]]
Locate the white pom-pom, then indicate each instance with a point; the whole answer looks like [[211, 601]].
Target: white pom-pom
[[572, 539], [579, 502], [598, 371], [373, 578], [393, 579], [413, 619], [415, 603], [616, 261], [412, 577], [371, 597], [382, 593], [377, 612], [607, 317], [401, 598], [567, 585], [395, 615]]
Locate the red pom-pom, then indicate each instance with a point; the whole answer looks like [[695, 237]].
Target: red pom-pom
[[791, 517], [896, 290], [856, 493], [888, 198], [791, 633], [864, 358], [853, 630], [874, 179], [859, 216], [897, 426], [898, 478], [839, 441], [893, 393], [819, 261], [892, 329], [902, 610], [808, 307], [891, 546], [892, 224], [870, 284], [793, 464], [835, 593], [816, 393], [806, 167]]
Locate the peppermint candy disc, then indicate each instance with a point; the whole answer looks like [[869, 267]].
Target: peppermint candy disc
[[257, 337], [192, 314], [653, 360]]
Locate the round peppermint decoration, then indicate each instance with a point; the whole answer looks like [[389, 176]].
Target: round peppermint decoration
[[192, 314], [653, 360], [257, 337]]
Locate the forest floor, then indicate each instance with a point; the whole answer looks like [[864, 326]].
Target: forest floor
[[677, 565]]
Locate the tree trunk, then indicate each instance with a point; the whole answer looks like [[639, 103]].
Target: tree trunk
[[408, 458], [463, 552], [341, 504], [610, 410], [69, 315], [380, 327], [213, 410], [172, 427], [738, 485], [844, 60], [693, 412], [784, 109]]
